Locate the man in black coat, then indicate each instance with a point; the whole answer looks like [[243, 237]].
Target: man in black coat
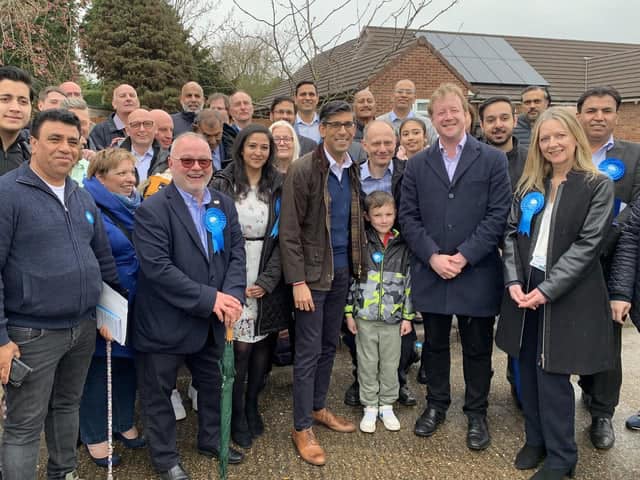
[[598, 114], [453, 210], [189, 289], [108, 133], [192, 101], [15, 112], [498, 119]]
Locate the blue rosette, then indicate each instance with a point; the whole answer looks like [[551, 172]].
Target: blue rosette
[[215, 221], [377, 257], [614, 169], [276, 225], [531, 203]]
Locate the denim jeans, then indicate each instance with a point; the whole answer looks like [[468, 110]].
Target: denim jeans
[[49, 397], [93, 407]]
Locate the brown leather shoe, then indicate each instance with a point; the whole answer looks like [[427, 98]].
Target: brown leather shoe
[[334, 422], [308, 447]]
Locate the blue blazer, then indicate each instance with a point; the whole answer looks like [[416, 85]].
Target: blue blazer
[[466, 215], [177, 283]]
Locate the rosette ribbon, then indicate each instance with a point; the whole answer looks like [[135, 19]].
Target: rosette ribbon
[[614, 169], [215, 221], [276, 225], [531, 204], [377, 257]]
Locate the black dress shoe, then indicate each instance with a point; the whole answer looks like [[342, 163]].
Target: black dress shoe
[[254, 420], [104, 461], [240, 433], [428, 422], [406, 397], [133, 443], [175, 473], [478, 437], [234, 455], [601, 433], [352, 395], [553, 473], [529, 457]]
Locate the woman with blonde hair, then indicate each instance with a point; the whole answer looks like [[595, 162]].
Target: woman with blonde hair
[[287, 144], [555, 315]]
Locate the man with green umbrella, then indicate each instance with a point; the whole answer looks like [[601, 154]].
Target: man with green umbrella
[[191, 286]]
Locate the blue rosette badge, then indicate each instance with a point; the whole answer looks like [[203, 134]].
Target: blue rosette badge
[[276, 225], [377, 257], [215, 221], [614, 169], [531, 204]]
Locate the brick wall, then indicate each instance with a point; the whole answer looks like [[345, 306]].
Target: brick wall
[[628, 122], [418, 64]]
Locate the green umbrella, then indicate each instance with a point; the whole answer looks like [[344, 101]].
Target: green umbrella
[[228, 371]]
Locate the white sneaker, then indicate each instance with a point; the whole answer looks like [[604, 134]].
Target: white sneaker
[[389, 418], [368, 422], [176, 403], [192, 393]]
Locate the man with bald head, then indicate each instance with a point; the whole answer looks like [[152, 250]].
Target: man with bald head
[[209, 123], [164, 127], [71, 89], [112, 130], [364, 109], [404, 96], [241, 109], [141, 141], [192, 101]]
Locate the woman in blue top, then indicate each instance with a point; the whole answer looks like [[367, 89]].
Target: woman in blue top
[[111, 182]]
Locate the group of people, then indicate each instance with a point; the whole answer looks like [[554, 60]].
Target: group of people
[[326, 222]]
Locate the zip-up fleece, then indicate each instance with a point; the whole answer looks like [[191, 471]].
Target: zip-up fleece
[[384, 294], [53, 258]]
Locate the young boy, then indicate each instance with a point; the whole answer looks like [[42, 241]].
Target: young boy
[[375, 308]]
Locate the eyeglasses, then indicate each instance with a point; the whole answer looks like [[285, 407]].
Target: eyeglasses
[[145, 124], [189, 162], [339, 125], [282, 139]]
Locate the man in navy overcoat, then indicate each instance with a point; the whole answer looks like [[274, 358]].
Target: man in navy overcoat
[[455, 200]]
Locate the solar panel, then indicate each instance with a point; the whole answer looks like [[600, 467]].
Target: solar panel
[[483, 59]]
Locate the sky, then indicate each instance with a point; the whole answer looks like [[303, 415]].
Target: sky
[[596, 20]]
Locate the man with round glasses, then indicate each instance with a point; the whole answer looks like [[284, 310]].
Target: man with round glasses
[[151, 158]]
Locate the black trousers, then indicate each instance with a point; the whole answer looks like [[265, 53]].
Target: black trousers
[[317, 335], [157, 374], [604, 387], [548, 402], [407, 353], [476, 335]]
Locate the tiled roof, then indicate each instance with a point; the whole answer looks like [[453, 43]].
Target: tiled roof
[[568, 65]]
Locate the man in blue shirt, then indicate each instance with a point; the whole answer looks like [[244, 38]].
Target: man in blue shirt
[[189, 290], [307, 122]]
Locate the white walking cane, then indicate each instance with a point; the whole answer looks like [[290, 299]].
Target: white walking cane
[[109, 415]]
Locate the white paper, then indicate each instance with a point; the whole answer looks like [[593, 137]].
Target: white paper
[[112, 312]]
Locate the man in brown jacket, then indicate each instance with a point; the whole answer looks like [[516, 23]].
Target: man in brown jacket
[[321, 247]]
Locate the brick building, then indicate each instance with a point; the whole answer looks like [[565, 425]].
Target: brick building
[[482, 65]]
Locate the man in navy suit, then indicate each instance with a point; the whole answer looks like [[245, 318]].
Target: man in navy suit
[[454, 205], [189, 289]]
